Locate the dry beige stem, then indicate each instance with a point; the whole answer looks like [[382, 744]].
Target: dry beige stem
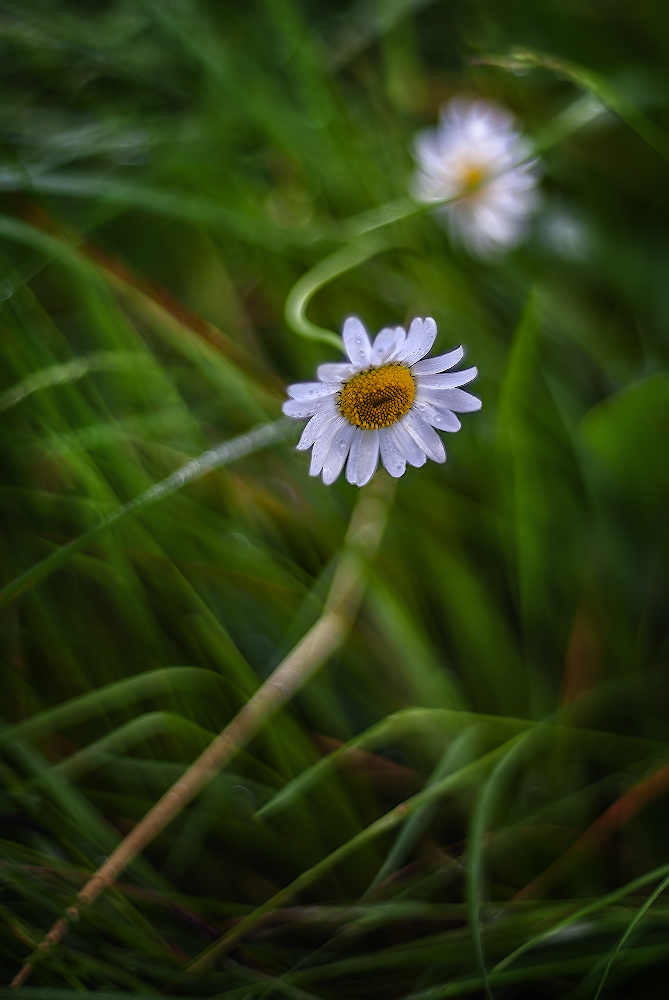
[[318, 644]]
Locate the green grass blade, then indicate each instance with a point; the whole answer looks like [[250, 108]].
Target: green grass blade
[[222, 454]]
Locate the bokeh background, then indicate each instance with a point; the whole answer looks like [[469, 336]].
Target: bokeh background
[[168, 170]]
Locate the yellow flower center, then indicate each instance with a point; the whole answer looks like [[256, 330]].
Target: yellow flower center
[[472, 175], [378, 397]]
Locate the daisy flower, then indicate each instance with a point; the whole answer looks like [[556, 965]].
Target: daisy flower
[[477, 154], [384, 401]]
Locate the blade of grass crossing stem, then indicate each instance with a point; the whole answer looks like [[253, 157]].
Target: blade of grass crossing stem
[[119, 694], [309, 778], [136, 731], [76, 806], [260, 437], [329, 632], [71, 371], [461, 752], [633, 923], [95, 280], [462, 778], [637, 958], [393, 726], [485, 806], [585, 911]]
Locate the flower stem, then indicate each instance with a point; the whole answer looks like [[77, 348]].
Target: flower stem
[[322, 639]]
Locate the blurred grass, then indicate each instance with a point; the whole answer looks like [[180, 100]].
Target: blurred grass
[[169, 172]]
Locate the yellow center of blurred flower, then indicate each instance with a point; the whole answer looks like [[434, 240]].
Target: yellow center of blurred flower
[[472, 175], [378, 397]]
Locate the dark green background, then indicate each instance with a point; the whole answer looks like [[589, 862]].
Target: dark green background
[[206, 155]]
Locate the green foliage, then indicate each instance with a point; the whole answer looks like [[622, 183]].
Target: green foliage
[[428, 817]]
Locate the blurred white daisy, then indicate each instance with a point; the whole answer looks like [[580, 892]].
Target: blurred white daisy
[[385, 400], [476, 153]]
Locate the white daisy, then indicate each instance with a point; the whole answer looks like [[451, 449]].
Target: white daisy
[[384, 400], [476, 152]]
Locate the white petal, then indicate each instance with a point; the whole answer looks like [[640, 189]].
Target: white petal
[[368, 456], [352, 464], [336, 457], [430, 366], [391, 456], [317, 425], [436, 414], [406, 445], [454, 399], [312, 390], [386, 344], [425, 436], [323, 444], [447, 381], [420, 338], [335, 371], [299, 408], [357, 342]]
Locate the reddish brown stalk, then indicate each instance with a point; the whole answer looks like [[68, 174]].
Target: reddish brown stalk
[[621, 812], [318, 644]]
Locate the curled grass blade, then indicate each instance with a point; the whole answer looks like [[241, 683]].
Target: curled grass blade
[[595, 83]]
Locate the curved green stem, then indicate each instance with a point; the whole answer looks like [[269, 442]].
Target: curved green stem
[[363, 239], [350, 256]]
